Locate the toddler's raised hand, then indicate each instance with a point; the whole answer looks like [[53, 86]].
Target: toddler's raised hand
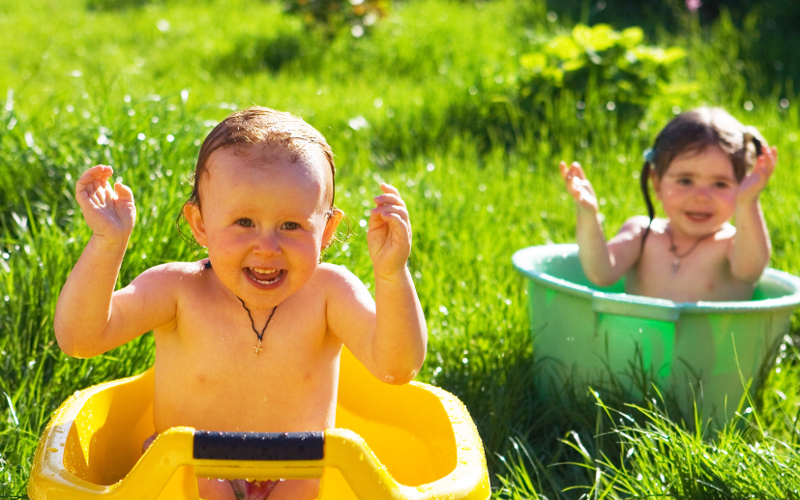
[[756, 180], [389, 235], [579, 187], [109, 212]]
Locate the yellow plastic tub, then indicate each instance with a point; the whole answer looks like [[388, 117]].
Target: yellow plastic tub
[[390, 442]]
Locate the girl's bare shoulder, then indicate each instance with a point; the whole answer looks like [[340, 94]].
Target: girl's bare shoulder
[[726, 233], [639, 223]]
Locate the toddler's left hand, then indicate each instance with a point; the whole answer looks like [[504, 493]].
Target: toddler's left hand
[[389, 235], [756, 180]]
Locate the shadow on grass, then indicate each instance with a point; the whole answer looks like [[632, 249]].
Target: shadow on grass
[[253, 55], [115, 5], [538, 431]]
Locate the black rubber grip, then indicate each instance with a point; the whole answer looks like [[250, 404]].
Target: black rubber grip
[[259, 445]]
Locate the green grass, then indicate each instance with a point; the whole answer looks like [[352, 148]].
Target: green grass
[[89, 86]]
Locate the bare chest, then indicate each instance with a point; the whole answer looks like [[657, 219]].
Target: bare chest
[[703, 274], [213, 371]]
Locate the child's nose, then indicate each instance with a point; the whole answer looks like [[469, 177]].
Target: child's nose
[[268, 243], [702, 192]]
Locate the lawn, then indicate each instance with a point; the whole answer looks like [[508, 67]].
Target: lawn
[[138, 86]]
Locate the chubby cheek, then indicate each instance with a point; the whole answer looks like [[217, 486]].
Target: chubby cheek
[[303, 253], [226, 253]]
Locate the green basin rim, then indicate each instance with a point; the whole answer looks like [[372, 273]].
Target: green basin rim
[[526, 262]]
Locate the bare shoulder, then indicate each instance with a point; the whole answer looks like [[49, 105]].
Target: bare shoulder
[[173, 271], [726, 233], [172, 278], [636, 224], [726, 237], [337, 279]]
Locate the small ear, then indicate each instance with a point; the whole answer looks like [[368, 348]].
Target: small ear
[[191, 211], [334, 219], [656, 183]]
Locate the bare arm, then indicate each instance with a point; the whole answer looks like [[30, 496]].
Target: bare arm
[[603, 262], [390, 336], [751, 248], [91, 318]]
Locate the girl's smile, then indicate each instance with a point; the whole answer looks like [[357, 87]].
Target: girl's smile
[[698, 192]]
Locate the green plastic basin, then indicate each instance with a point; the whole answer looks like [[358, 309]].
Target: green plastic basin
[[698, 351]]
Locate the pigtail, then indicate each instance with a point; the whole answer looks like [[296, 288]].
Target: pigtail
[[644, 179]]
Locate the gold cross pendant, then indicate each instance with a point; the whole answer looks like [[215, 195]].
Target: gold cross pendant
[[258, 348]]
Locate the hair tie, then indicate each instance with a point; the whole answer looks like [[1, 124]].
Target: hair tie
[[650, 155], [751, 134]]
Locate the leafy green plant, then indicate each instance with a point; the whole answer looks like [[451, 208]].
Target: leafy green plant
[[614, 66], [332, 16]]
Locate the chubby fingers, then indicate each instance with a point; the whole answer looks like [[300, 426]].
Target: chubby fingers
[[574, 171], [93, 183], [769, 159], [390, 205], [390, 209], [94, 177], [765, 165], [123, 192]]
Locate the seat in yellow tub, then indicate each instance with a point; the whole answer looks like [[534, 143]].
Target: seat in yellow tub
[[390, 443]]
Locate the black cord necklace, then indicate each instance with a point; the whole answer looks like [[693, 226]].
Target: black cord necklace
[[257, 348], [260, 336], [676, 261]]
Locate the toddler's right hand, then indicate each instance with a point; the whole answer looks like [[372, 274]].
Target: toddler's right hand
[[579, 187], [109, 212]]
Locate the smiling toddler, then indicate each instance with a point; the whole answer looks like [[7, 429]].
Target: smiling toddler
[[249, 338], [706, 168]]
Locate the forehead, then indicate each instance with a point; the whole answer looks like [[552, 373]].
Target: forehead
[[710, 161], [239, 164]]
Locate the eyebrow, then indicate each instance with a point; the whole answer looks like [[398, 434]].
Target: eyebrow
[[692, 174]]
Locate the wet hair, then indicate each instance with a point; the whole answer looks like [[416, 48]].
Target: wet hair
[[691, 133], [266, 127]]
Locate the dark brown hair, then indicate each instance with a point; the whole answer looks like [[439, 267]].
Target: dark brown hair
[[691, 133]]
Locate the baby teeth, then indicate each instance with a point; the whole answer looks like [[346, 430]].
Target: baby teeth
[[265, 271], [267, 282]]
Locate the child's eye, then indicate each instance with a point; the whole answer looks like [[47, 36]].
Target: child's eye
[[721, 185], [244, 222], [291, 226], [684, 181]]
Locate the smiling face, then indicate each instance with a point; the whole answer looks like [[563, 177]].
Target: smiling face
[[264, 218], [698, 192]]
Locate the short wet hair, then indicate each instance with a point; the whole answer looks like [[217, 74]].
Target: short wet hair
[[258, 125]]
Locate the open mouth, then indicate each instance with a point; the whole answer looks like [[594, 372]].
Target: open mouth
[[699, 216], [265, 277]]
